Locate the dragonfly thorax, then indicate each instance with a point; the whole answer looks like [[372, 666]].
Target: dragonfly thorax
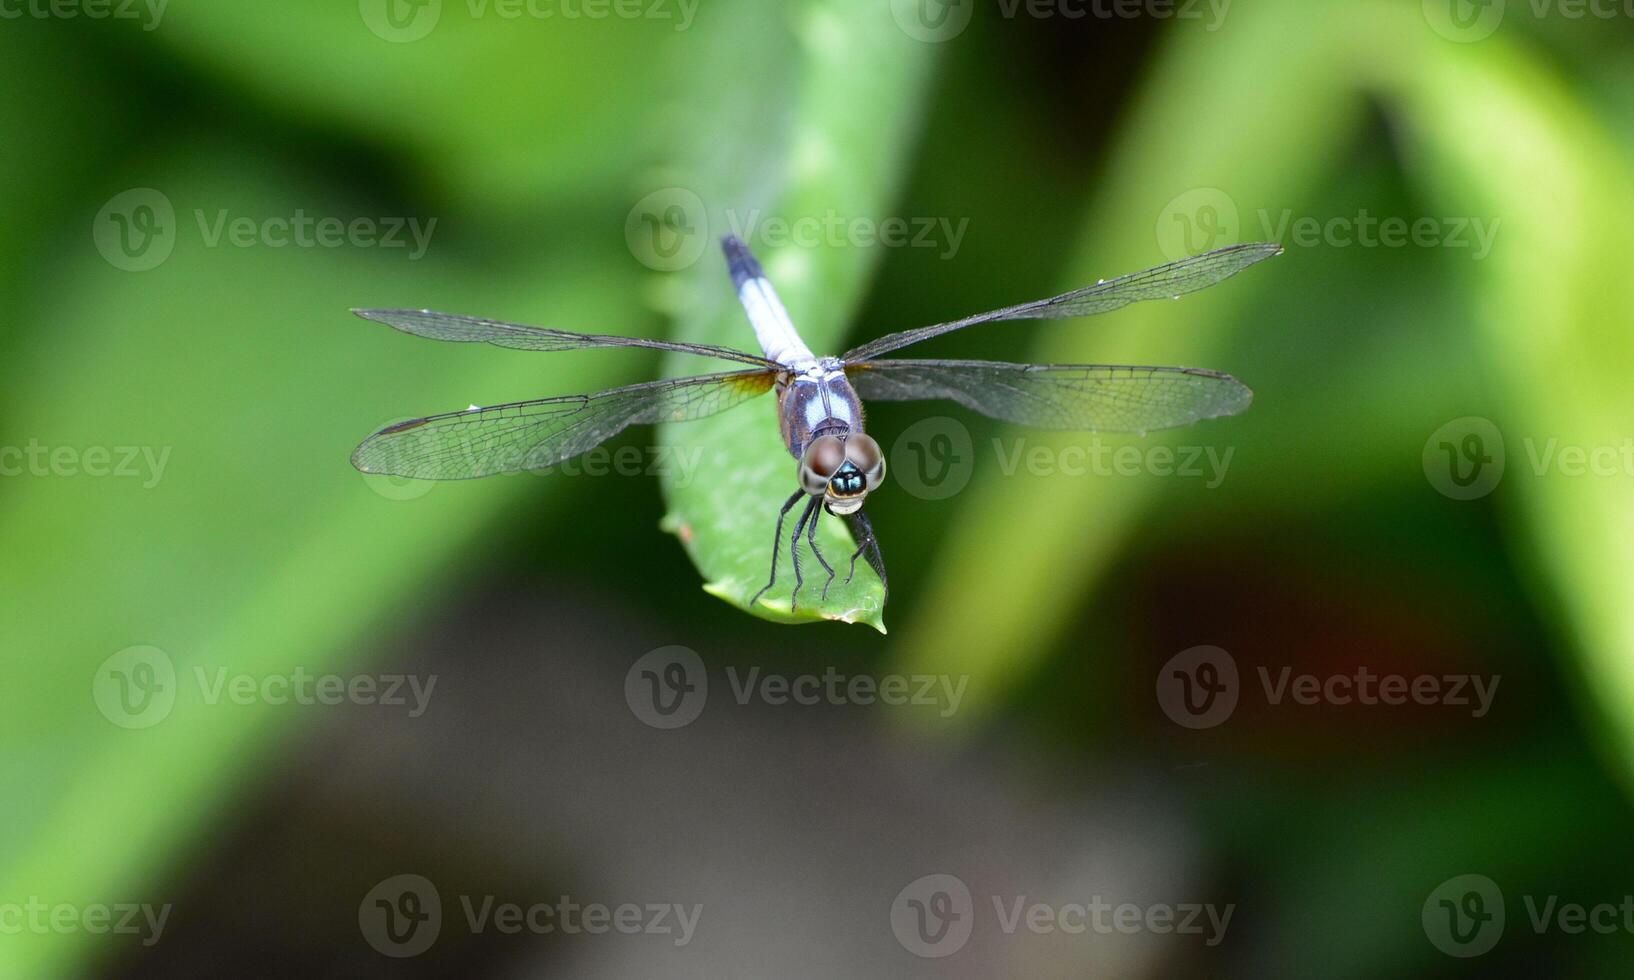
[[817, 401]]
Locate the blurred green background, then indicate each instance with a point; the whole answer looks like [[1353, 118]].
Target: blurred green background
[[1434, 482]]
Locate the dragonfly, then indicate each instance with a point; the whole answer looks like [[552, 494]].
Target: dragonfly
[[819, 399]]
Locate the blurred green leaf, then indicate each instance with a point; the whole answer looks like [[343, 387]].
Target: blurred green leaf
[[488, 103], [1184, 141], [1493, 131], [206, 365]]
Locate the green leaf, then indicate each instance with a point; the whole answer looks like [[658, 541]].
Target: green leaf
[[1495, 132], [856, 85], [253, 547], [485, 102]]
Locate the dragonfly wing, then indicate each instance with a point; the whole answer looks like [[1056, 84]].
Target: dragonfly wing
[[470, 329], [1087, 397], [1163, 282], [535, 434]]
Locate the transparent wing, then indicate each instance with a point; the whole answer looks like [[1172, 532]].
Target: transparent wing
[[536, 434], [1164, 282], [470, 329], [1089, 397]]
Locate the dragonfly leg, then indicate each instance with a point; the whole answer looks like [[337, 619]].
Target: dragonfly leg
[[863, 528], [777, 540], [794, 546], [811, 538]]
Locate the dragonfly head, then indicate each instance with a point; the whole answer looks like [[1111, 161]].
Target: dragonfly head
[[842, 469]]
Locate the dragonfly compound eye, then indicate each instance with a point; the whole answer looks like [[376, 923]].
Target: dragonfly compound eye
[[823, 458], [863, 452]]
